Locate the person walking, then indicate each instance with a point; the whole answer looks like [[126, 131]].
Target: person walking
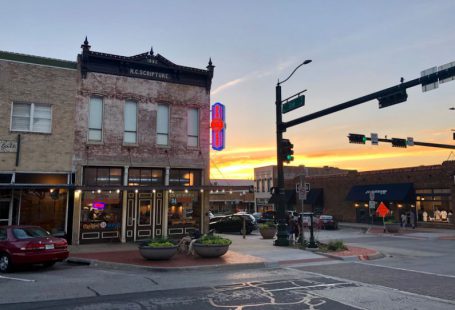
[[403, 219], [412, 219]]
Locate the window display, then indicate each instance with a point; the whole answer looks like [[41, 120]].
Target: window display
[[184, 213], [101, 211]]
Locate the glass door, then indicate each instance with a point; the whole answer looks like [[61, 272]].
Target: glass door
[[5, 212]]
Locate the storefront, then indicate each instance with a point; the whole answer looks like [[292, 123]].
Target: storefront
[[36, 199], [433, 206]]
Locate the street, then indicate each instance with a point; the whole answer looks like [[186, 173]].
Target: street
[[410, 276]]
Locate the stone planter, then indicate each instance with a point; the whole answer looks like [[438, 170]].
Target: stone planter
[[268, 233], [392, 228], [204, 250], [157, 253]]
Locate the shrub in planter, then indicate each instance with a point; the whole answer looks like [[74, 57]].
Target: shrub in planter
[[158, 249], [267, 230], [333, 246], [391, 226], [211, 246]]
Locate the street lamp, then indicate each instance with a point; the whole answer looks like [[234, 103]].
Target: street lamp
[[282, 233]]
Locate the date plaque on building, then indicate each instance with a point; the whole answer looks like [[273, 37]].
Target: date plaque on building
[[8, 146]]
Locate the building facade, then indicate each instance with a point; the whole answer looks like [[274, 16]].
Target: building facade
[[37, 100], [232, 196], [427, 192], [126, 153]]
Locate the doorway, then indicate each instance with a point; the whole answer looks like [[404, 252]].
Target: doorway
[[5, 212], [144, 216]]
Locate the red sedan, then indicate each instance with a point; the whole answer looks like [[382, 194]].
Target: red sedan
[[25, 245]]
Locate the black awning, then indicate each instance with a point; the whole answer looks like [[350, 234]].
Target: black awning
[[402, 192], [314, 197], [289, 197]]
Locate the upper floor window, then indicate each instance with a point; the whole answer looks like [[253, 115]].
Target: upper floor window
[[102, 176], [95, 119], [31, 117], [130, 133], [193, 127], [162, 125]]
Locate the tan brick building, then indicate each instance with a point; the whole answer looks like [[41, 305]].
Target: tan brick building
[[37, 99]]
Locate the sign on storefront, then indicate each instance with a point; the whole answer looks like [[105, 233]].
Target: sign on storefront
[[8, 146]]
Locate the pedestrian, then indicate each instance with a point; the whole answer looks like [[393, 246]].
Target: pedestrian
[[412, 218], [210, 214], [403, 220], [291, 227]]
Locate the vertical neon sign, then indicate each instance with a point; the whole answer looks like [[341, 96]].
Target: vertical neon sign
[[218, 126]]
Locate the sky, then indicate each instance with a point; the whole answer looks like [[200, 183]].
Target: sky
[[356, 47]]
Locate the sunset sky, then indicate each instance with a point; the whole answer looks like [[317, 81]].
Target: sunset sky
[[357, 47]]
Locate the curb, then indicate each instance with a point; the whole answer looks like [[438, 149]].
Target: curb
[[122, 266], [354, 258]]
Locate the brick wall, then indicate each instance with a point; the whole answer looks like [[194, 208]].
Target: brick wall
[[38, 84]]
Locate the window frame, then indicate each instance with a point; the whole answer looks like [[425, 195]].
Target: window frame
[[31, 116], [101, 129], [168, 124], [197, 122], [124, 123]]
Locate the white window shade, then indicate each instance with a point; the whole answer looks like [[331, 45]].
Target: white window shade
[[95, 121], [193, 127], [130, 122], [31, 117], [162, 125]]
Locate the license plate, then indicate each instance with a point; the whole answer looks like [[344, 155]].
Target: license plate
[[49, 246]]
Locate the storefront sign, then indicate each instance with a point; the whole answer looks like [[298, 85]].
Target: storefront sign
[[8, 146], [98, 205], [218, 126], [100, 226], [151, 74]]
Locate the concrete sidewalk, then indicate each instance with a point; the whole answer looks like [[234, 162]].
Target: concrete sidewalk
[[251, 252]]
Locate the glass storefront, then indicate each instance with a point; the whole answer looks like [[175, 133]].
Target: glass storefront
[[184, 212], [101, 215], [433, 205]]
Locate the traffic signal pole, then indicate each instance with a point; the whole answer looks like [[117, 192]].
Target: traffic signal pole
[[282, 233], [427, 144]]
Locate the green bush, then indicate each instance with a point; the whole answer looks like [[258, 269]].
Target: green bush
[[160, 243], [214, 240], [269, 224], [333, 246]]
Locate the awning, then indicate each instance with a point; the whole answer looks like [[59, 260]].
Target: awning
[[314, 197], [289, 197], [402, 192]]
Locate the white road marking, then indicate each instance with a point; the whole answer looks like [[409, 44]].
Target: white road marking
[[17, 279], [410, 270]]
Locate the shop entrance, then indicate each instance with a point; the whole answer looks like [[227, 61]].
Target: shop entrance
[[144, 216], [5, 212]]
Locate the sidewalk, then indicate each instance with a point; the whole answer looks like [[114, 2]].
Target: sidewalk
[[251, 252]]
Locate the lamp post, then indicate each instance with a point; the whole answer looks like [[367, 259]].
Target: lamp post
[[282, 233]]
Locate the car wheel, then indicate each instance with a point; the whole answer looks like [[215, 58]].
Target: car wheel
[[49, 264], [5, 263]]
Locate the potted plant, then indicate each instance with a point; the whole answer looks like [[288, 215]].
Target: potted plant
[[211, 246], [267, 230], [391, 226], [158, 249]]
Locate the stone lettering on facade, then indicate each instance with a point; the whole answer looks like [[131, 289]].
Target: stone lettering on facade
[[152, 74]]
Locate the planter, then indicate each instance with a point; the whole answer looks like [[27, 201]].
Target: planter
[[268, 233], [211, 250], [392, 228], [157, 253]]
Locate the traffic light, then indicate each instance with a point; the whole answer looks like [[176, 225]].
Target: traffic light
[[356, 138], [394, 98], [287, 151], [396, 142]]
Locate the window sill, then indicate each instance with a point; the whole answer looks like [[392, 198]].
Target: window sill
[[95, 143], [31, 132], [130, 145]]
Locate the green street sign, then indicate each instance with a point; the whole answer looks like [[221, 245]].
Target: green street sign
[[294, 104]]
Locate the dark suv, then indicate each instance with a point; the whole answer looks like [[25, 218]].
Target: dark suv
[[233, 223]]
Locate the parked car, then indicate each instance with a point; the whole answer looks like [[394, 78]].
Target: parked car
[[267, 216], [233, 223], [327, 222], [216, 218], [253, 219], [25, 245]]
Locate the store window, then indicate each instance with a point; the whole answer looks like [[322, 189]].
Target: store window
[[95, 119], [162, 125], [31, 117], [193, 127], [433, 205], [130, 119], [184, 212], [101, 215], [145, 177], [44, 208], [103, 176], [183, 177]]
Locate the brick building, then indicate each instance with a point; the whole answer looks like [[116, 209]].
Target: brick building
[[37, 97], [118, 146], [423, 189]]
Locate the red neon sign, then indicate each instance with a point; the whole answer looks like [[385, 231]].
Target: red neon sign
[[218, 126]]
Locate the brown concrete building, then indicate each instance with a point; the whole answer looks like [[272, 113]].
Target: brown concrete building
[[428, 192], [37, 98]]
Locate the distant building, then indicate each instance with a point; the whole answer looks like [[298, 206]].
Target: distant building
[[232, 196], [266, 177]]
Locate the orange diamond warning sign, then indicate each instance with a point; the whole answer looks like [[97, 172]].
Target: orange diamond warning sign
[[382, 210]]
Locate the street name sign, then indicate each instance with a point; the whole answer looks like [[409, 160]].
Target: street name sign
[[294, 104]]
